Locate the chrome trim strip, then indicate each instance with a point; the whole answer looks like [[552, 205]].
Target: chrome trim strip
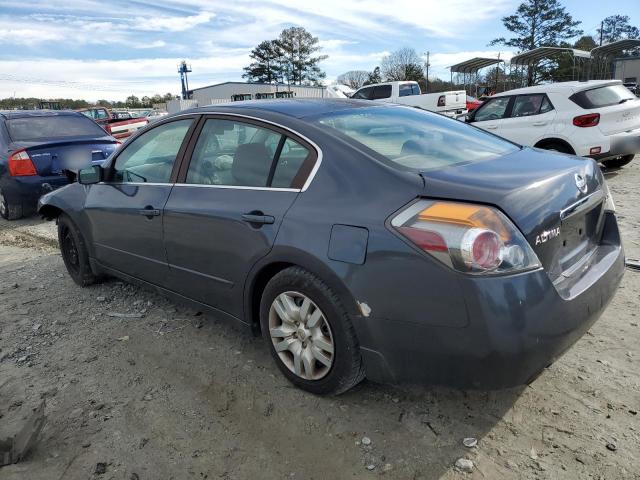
[[583, 204], [236, 187], [114, 184], [194, 272]]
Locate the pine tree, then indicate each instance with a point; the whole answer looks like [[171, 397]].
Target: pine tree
[[266, 65]]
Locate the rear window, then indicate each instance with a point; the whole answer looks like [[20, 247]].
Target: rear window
[[602, 96], [51, 127], [414, 139]]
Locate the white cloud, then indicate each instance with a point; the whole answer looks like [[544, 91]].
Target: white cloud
[[173, 24], [156, 44]]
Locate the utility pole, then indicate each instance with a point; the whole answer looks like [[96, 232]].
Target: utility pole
[[426, 78], [601, 28]]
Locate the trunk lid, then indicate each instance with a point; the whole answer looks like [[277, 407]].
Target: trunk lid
[[538, 190], [620, 118], [52, 158]]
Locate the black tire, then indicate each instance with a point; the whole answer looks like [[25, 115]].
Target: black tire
[[9, 210], [618, 162], [74, 252], [346, 370]]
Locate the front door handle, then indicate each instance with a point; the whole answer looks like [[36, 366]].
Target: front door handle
[[149, 212], [539, 124], [491, 127], [258, 219]]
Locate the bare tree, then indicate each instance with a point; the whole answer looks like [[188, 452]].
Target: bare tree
[[353, 78], [403, 64]]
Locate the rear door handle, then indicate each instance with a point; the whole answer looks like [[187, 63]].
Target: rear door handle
[[258, 219], [149, 212], [539, 124]]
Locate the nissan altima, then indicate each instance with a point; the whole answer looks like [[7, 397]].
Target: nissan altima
[[360, 240]]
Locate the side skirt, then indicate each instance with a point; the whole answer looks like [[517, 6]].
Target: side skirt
[[98, 267]]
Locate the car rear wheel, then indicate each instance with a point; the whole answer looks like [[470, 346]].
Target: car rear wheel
[[618, 162], [9, 211], [309, 333], [74, 252]]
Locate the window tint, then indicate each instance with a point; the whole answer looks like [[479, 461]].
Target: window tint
[[382, 91], [363, 93], [526, 105], [602, 96], [52, 127], [150, 157], [416, 140], [289, 164], [492, 109], [232, 153]]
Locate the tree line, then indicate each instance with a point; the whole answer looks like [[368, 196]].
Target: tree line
[[131, 101]]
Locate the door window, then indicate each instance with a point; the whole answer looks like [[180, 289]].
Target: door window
[[493, 109], [363, 93], [290, 163], [150, 157], [526, 105], [381, 91]]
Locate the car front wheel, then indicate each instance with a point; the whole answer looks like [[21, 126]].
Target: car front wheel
[[74, 252], [309, 333]]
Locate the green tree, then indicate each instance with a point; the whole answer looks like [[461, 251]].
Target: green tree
[[267, 60], [538, 23], [617, 27], [374, 77], [297, 59], [403, 64]]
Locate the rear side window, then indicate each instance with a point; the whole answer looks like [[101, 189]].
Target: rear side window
[[52, 127], [290, 167], [364, 93], [382, 91], [602, 96], [526, 105], [407, 89], [413, 139]]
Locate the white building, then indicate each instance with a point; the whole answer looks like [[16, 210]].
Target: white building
[[234, 91], [627, 69]]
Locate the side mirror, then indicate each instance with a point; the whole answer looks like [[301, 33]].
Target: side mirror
[[91, 175]]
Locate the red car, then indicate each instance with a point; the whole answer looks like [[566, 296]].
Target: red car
[[117, 127], [472, 103]]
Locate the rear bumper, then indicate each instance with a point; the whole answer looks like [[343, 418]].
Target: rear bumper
[[620, 144], [27, 190], [517, 326]]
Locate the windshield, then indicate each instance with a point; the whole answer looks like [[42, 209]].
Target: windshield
[[415, 139], [52, 127]]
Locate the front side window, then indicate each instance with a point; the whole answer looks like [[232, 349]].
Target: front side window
[[363, 93], [413, 139], [493, 109], [150, 157]]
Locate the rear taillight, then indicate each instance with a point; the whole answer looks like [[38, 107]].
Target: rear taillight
[[588, 120], [469, 238], [20, 164], [441, 101]]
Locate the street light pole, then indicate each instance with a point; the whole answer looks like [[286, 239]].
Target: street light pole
[[426, 78]]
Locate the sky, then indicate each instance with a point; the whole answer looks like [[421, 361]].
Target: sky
[[111, 49]]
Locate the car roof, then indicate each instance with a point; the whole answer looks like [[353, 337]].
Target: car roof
[[559, 87], [7, 114], [293, 107]]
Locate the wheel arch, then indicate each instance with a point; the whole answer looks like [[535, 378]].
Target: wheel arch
[[50, 212], [549, 141], [279, 260]]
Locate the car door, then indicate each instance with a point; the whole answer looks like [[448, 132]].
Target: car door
[[224, 213], [530, 119], [125, 211], [490, 114]]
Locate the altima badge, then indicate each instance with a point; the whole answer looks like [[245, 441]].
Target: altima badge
[[547, 235], [581, 183]]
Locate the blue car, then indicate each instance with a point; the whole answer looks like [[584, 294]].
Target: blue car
[[38, 148]]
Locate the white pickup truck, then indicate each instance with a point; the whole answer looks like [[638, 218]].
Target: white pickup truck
[[408, 93]]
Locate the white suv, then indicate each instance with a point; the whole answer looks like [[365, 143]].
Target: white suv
[[598, 119]]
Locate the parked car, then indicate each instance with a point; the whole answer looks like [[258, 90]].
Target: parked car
[[360, 239], [408, 93], [633, 87], [36, 147], [119, 124], [473, 103], [599, 119]]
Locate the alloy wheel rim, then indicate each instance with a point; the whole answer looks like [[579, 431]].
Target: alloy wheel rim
[[70, 250], [301, 335]]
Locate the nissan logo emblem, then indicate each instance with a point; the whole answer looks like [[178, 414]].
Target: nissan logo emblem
[[581, 183]]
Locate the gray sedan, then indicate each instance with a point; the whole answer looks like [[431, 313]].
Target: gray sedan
[[358, 239]]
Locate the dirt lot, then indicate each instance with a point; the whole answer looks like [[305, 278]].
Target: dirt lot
[[165, 393]]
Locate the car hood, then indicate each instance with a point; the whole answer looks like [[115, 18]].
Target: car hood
[[532, 187]]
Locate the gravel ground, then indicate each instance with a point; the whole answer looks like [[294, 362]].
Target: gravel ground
[[166, 393]]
